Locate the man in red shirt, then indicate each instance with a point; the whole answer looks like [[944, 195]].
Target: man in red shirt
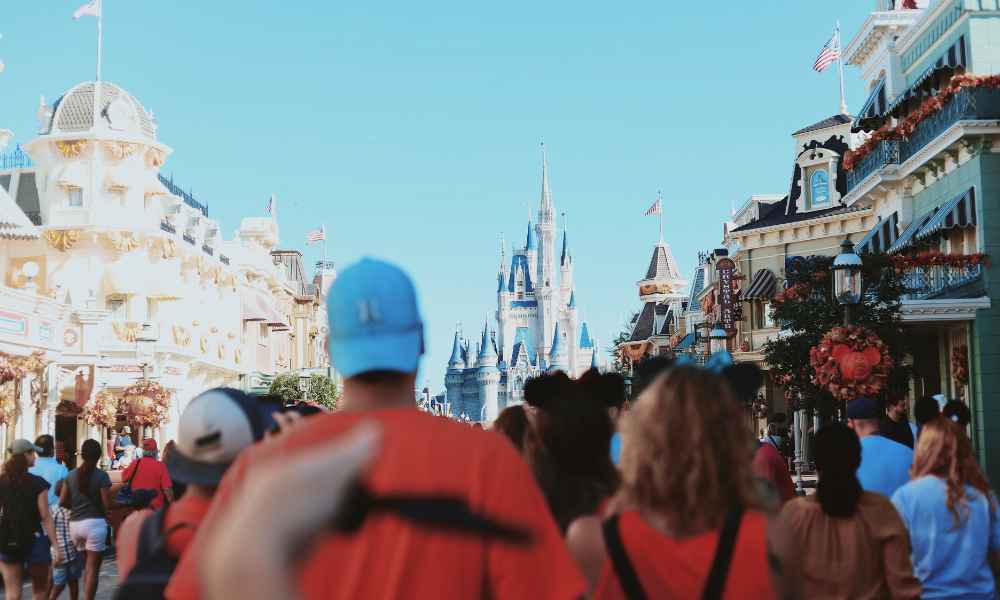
[[375, 341], [150, 474]]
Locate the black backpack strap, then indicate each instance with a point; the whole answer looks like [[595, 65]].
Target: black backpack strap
[[152, 540], [138, 464], [716, 583], [627, 576]]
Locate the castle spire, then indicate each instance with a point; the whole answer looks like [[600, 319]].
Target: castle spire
[[455, 362], [546, 202], [565, 245], [487, 353], [530, 243]]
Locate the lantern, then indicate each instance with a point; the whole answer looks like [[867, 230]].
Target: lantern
[[847, 275], [717, 339]]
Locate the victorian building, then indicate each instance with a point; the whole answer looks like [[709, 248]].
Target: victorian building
[[114, 275]]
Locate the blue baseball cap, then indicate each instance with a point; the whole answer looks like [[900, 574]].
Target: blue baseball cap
[[863, 407], [374, 321]]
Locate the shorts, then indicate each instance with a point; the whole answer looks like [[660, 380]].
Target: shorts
[[68, 571], [39, 554], [89, 534]]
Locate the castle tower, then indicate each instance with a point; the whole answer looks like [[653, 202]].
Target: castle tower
[[571, 327], [470, 385], [488, 377], [565, 269], [557, 356], [547, 312], [453, 377], [595, 362]]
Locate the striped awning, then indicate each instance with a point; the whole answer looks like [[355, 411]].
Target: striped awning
[[873, 113], [959, 212], [762, 287], [686, 342], [881, 236], [951, 60], [906, 238]]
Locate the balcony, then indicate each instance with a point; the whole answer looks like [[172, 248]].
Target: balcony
[[207, 249], [188, 238], [944, 282], [166, 226], [187, 197], [34, 216], [224, 259], [969, 104]]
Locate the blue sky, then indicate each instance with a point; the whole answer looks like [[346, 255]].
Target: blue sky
[[411, 129]]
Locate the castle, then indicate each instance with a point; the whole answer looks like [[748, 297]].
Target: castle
[[538, 328]]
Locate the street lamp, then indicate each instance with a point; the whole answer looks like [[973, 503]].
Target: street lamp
[[847, 278], [717, 339]]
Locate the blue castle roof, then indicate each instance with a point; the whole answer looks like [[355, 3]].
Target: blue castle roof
[[523, 344], [520, 261], [572, 299], [456, 359], [558, 346], [585, 340], [565, 249], [531, 244], [486, 348], [594, 362]]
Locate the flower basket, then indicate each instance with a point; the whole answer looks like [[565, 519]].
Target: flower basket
[[103, 410], [147, 402], [850, 362], [960, 365]]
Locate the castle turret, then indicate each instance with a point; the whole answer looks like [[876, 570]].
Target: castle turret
[[565, 269], [546, 229], [557, 356], [453, 377], [488, 377], [595, 362], [586, 345]]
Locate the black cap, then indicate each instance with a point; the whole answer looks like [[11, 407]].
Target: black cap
[[47, 445]]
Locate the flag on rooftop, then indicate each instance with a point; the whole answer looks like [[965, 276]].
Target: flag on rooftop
[[270, 205], [91, 9], [316, 235], [655, 209], [829, 53]]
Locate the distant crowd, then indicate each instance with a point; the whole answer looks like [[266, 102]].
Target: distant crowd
[[577, 493]]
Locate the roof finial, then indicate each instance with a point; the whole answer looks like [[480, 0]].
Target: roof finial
[[546, 193]]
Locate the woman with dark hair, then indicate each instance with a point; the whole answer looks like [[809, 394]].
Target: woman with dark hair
[[857, 544], [24, 523], [569, 447], [513, 423], [951, 514], [687, 491], [87, 494]]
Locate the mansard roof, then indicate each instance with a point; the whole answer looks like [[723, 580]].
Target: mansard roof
[[662, 264], [833, 121], [643, 329], [784, 212]]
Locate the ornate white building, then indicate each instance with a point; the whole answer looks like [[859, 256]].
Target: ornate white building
[[538, 327]]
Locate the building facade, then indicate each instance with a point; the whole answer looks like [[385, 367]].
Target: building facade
[[121, 277], [537, 325]]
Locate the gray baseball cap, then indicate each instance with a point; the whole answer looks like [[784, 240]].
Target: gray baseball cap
[[23, 447]]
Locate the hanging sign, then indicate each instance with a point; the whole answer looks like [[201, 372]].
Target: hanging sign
[[727, 294]]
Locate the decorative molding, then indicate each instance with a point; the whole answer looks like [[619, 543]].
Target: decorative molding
[[62, 239], [155, 158], [167, 248], [120, 150], [71, 148], [203, 345], [126, 331], [963, 309], [181, 336], [123, 241]]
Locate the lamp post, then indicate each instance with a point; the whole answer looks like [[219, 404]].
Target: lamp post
[[847, 279], [717, 339]]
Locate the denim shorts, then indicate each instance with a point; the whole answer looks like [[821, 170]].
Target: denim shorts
[[68, 571], [38, 555]]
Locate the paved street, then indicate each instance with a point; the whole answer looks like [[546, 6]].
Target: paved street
[[105, 590]]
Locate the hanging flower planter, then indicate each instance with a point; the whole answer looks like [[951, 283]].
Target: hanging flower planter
[[850, 362], [103, 410], [960, 365]]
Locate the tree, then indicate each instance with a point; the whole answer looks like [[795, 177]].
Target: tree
[[320, 390], [621, 366], [806, 309]]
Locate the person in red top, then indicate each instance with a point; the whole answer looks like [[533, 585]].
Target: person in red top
[[770, 465], [215, 427], [150, 474], [376, 340], [687, 497]]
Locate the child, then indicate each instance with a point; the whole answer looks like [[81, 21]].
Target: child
[[69, 571]]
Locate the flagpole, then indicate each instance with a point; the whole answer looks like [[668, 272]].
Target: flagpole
[[100, 38], [324, 245], [659, 200], [840, 64]]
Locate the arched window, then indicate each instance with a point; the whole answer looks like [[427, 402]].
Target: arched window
[[820, 188]]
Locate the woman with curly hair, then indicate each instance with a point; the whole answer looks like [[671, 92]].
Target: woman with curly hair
[[951, 514], [685, 522]]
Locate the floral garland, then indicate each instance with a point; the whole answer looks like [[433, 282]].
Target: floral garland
[[103, 410], [934, 258], [906, 126], [9, 408], [850, 362], [148, 403], [960, 364]]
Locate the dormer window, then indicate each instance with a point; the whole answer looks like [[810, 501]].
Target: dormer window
[[819, 188], [75, 197]]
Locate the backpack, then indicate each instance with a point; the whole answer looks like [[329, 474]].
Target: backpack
[[17, 524], [153, 565]]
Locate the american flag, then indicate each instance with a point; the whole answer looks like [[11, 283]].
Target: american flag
[[270, 205], [316, 235], [655, 209], [829, 53]]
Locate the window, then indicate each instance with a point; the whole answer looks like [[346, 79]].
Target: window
[[152, 308], [762, 318], [265, 332], [75, 197], [118, 308], [819, 186]]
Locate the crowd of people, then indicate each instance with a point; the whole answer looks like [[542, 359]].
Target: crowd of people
[[577, 493]]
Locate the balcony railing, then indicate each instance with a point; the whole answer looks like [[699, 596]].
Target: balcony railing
[[939, 282], [207, 249], [15, 159], [188, 239], [34, 216], [187, 197], [967, 105], [224, 259], [166, 226]]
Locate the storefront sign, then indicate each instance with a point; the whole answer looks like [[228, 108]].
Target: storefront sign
[[13, 324], [727, 294]]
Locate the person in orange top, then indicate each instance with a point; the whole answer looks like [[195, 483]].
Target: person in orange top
[[684, 523], [215, 427], [376, 340]]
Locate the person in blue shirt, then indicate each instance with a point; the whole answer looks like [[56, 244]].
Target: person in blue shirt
[[951, 514], [885, 464], [47, 467]]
